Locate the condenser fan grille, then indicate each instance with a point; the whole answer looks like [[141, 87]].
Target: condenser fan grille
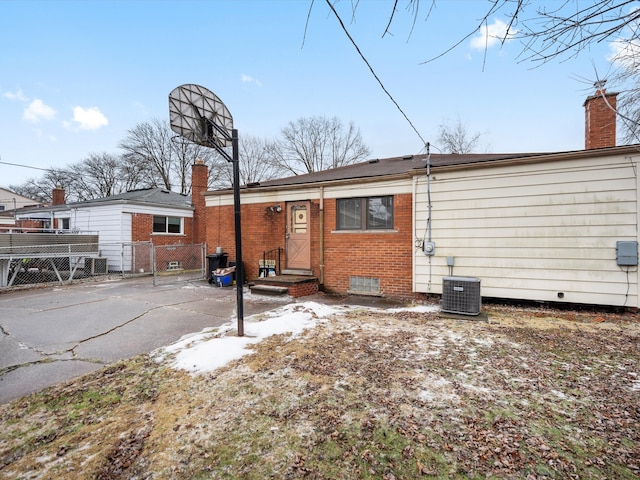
[[461, 295]]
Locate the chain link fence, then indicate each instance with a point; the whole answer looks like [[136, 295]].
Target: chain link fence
[[33, 264], [64, 263], [129, 259], [178, 263], [22, 265]]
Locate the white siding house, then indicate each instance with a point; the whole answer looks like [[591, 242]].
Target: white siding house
[[542, 229], [9, 202], [112, 219]]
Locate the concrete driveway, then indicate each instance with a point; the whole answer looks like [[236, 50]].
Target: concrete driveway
[[49, 335]]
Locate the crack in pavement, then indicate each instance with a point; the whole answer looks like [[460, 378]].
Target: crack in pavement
[[5, 370], [113, 329], [50, 309], [49, 357]]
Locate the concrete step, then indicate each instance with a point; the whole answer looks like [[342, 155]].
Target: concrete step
[[305, 273], [269, 290]]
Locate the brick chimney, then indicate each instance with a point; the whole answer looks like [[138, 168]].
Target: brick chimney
[[600, 118], [199, 185], [57, 196]]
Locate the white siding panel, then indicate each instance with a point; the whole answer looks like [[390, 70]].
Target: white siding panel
[[113, 225], [247, 197], [108, 221], [540, 232]]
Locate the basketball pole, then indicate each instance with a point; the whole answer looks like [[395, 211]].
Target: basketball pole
[[196, 114], [238, 230]]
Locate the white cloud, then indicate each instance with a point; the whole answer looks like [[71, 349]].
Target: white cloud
[[491, 35], [625, 53], [244, 78], [89, 118], [37, 111], [15, 96]]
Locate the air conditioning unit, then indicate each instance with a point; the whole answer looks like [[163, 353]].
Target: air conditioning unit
[[461, 295], [95, 266]]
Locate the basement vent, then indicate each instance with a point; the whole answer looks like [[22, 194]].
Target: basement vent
[[461, 295], [174, 265], [364, 285]]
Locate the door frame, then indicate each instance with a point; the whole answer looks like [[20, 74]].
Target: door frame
[[302, 262]]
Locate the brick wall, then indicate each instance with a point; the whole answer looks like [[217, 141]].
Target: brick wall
[[29, 224], [303, 289], [199, 179], [262, 230], [387, 256], [384, 255], [600, 120], [57, 196]]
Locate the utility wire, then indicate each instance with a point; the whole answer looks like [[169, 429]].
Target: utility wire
[[344, 28], [25, 166]]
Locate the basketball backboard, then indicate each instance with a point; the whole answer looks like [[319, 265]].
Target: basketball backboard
[[198, 115]]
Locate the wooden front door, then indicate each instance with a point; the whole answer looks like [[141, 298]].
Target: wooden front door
[[298, 236]]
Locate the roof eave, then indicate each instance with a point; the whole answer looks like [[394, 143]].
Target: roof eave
[[543, 157], [298, 186]]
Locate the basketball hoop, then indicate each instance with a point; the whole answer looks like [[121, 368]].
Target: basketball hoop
[[198, 116]]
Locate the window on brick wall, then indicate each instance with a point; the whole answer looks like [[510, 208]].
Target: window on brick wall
[[364, 285], [366, 213], [163, 224]]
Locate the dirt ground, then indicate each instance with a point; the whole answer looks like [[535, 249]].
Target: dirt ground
[[524, 393]]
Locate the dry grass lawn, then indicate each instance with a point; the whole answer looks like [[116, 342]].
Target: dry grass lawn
[[530, 393]]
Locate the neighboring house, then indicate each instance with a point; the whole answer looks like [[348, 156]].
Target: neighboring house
[[541, 227], [9, 202], [153, 214]]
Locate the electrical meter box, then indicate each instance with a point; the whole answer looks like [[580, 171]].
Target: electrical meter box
[[627, 253]]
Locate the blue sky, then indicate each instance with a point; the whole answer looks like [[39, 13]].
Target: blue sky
[[76, 75]]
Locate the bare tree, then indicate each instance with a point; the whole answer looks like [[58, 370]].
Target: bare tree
[[164, 157], [626, 79], [41, 189], [456, 138], [317, 143], [133, 174], [99, 175], [149, 145], [548, 31], [256, 163]]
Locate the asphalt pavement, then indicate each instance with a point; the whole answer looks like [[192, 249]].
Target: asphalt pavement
[[53, 334]]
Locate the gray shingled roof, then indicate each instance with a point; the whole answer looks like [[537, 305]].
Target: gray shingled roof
[[154, 196], [417, 163], [385, 167], [146, 196]]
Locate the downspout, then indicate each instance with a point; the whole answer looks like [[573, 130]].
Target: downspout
[[429, 218], [321, 279], [415, 230], [634, 165], [428, 194]]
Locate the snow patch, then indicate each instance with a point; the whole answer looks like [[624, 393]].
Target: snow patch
[[215, 347], [212, 348]]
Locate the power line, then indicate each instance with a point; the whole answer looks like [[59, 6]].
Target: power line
[[25, 166], [344, 28]]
